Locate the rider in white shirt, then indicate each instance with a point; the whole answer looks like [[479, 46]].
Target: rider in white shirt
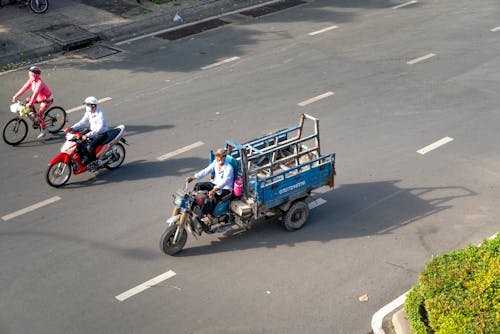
[[95, 119], [222, 183]]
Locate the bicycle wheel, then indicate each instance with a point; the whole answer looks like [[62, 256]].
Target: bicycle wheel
[[55, 118], [15, 131], [39, 6]]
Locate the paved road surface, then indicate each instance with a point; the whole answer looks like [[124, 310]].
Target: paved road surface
[[402, 79]]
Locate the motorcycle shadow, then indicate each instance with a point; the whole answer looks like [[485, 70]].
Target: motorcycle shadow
[[264, 234], [350, 211], [139, 170]]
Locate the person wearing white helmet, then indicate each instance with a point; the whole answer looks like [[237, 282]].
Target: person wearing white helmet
[[41, 95], [95, 119]]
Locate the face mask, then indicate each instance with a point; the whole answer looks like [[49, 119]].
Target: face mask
[[221, 162], [88, 109]]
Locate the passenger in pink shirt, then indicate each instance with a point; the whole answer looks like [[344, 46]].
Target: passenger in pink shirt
[[41, 94]]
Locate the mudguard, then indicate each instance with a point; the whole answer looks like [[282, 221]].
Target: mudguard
[[61, 157]]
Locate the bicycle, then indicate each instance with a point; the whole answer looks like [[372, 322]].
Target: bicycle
[[16, 129]]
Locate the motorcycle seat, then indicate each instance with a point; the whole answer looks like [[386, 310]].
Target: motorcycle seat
[[111, 135]]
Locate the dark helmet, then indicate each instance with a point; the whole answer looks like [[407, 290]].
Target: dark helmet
[[35, 69]]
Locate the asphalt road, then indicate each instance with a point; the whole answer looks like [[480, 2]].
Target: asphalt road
[[402, 79]]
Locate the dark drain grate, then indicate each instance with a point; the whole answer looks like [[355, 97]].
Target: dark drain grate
[[272, 8], [97, 52], [69, 37], [192, 30]]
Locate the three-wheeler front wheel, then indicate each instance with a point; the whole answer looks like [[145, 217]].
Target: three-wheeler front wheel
[[167, 241], [296, 216]]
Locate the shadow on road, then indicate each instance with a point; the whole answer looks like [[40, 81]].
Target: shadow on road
[[206, 48], [142, 170], [351, 211]]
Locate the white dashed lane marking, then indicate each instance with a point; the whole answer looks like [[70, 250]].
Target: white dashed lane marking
[[222, 62], [316, 203], [31, 208], [419, 59], [146, 285], [181, 150], [315, 99], [322, 30], [405, 4], [104, 99], [169, 274], [435, 145], [495, 29]]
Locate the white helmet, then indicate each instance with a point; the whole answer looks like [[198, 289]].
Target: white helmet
[[91, 100]]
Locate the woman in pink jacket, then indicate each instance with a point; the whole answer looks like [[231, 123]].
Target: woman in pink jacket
[[41, 94]]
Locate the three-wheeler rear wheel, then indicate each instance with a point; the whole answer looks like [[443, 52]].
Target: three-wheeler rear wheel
[[296, 216]]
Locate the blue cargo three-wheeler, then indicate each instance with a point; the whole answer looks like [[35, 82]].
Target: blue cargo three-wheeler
[[277, 173]]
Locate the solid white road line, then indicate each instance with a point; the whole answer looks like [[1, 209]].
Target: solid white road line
[[181, 150], [435, 145], [146, 285], [316, 203], [316, 98], [495, 29], [104, 99], [322, 30], [31, 208], [405, 4], [417, 60], [228, 60]]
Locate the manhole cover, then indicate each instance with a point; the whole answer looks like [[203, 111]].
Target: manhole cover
[[272, 8], [194, 29], [97, 52], [70, 37]]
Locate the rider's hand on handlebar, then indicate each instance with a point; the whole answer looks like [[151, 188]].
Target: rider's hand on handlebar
[[84, 137], [190, 178], [14, 99]]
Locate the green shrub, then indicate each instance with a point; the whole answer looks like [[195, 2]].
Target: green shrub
[[458, 292]]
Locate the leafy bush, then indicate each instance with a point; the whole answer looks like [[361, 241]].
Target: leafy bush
[[458, 292]]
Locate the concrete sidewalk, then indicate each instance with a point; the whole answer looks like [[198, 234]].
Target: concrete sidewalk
[[69, 24]]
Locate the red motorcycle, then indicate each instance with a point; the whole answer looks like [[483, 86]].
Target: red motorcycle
[[110, 155]]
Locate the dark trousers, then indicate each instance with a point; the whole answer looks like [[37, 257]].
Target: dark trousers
[[87, 148], [209, 206]]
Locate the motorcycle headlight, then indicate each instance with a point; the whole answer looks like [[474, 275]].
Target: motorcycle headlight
[[177, 201]]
